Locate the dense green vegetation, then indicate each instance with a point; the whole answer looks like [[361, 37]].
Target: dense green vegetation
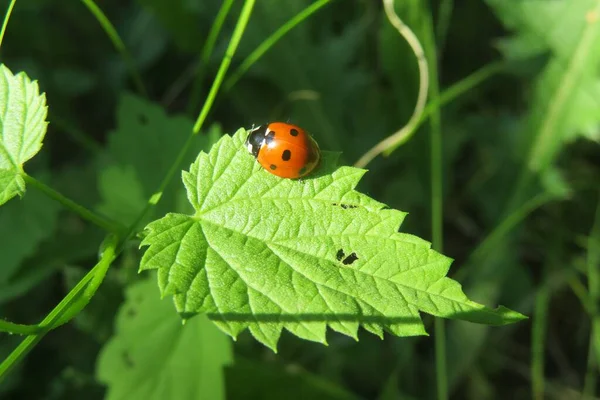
[[501, 174]]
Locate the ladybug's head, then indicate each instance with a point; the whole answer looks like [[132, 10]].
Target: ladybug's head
[[255, 140]]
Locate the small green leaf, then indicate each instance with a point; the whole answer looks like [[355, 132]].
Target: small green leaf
[[154, 356], [267, 253], [22, 128], [23, 226]]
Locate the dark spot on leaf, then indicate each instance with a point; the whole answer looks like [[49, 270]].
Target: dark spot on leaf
[[269, 138], [294, 132], [131, 312], [143, 119], [350, 259], [273, 167], [340, 254], [345, 206], [286, 155], [127, 359]]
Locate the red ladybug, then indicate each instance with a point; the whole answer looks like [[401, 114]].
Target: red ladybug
[[283, 149]]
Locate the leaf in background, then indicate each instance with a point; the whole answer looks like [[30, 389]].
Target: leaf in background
[[249, 379], [154, 356], [124, 196], [24, 225], [566, 97], [143, 147], [266, 253], [182, 19], [22, 128]]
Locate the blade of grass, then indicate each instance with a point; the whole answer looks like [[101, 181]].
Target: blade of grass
[[593, 275], [114, 37], [209, 46], [270, 42], [236, 37], [69, 306], [6, 18], [229, 53]]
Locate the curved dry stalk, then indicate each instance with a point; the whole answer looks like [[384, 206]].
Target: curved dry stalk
[[404, 133]]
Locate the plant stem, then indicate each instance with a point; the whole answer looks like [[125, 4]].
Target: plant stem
[[206, 53], [233, 43], [6, 18], [236, 37], [437, 217], [19, 329], [96, 219], [114, 37], [66, 309], [270, 42]]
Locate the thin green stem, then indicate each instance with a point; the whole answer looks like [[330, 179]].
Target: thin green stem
[[437, 216], [6, 18], [441, 370], [390, 144], [417, 115], [593, 275], [451, 93], [508, 223], [206, 53], [270, 42], [19, 329], [233, 43], [118, 43], [236, 37], [96, 219], [69, 306]]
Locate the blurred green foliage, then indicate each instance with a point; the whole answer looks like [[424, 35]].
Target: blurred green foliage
[[521, 179]]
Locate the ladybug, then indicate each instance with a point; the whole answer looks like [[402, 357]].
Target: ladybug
[[283, 149]]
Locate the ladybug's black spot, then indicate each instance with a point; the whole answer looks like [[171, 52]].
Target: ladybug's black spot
[[340, 254], [294, 132], [273, 167], [350, 259], [286, 155], [302, 171], [269, 137]]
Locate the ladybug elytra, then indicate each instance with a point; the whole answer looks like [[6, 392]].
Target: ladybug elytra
[[283, 149]]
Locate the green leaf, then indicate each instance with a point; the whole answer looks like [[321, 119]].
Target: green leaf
[[24, 225], [566, 96], [250, 379], [154, 356], [266, 253], [142, 149], [22, 128]]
